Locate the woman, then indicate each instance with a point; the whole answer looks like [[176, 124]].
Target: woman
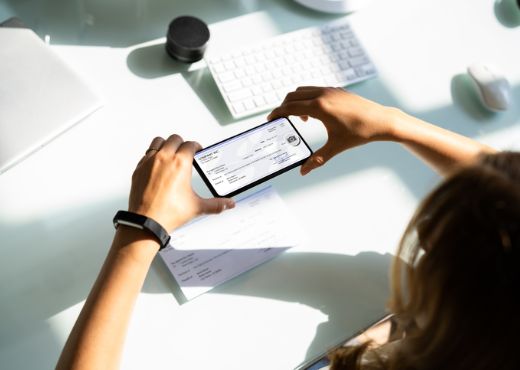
[[461, 269]]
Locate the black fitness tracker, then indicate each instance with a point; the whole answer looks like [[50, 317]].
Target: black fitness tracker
[[143, 223]]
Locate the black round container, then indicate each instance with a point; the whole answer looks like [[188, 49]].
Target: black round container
[[187, 39]]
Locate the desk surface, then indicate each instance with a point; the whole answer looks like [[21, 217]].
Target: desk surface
[[55, 218]]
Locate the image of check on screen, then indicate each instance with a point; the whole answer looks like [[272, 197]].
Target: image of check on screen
[[252, 156]]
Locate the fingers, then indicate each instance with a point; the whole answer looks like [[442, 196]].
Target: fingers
[[329, 150], [153, 148], [188, 149], [174, 145], [171, 145], [292, 108], [319, 158], [307, 96], [216, 205], [308, 88], [304, 94]]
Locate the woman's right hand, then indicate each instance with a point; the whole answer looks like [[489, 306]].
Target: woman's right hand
[[350, 120], [161, 185]]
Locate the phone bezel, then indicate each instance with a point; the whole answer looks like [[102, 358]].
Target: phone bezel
[[259, 181]]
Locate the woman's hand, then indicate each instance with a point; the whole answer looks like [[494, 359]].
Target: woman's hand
[[350, 120], [161, 185]]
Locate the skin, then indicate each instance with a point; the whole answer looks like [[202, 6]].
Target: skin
[[351, 120], [161, 189]]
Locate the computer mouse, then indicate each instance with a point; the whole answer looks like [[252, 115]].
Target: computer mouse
[[492, 87]]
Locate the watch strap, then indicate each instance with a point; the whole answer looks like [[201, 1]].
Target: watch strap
[[138, 221]]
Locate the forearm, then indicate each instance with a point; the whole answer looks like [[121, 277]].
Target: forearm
[[441, 149], [96, 341]]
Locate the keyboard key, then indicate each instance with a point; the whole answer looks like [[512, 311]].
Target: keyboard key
[[219, 68], [239, 95], [249, 104], [343, 64], [247, 81], [280, 94], [349, 74], [279, 62], [355, 51], [286, 81], [229, 65], [240, 62], [259, 101], [369, 69], [270, 64], [232, 86], [215, 60], [260, 68], [356, 62], [226, 76], [239, 107], [266, 87], [267, 76], [270, 98], [257, 90]]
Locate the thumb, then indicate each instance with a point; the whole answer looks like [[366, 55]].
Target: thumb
[[216, 205], [319, 158]]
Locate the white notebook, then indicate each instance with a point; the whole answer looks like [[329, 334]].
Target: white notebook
[[40, 95]]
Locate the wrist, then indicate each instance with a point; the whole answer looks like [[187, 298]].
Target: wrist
[[163, 219], [398, 124], [137, 243]]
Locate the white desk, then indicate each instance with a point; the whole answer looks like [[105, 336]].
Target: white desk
[[56, 207]]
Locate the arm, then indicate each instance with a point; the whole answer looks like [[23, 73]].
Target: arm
[[441, 149], [161, 189], [351, 121]]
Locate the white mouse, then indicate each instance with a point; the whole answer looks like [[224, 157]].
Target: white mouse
[[492, 87]]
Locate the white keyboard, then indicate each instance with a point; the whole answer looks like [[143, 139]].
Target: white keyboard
[[257, 78]]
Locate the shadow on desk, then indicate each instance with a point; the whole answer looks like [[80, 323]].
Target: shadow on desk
[[48, 265], [351, 290], [63, 254], [152, 62], [101, 23]]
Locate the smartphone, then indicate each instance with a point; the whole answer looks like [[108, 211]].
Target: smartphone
[[251, 157]]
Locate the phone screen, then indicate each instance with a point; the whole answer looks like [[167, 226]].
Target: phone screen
[[247, 159]]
